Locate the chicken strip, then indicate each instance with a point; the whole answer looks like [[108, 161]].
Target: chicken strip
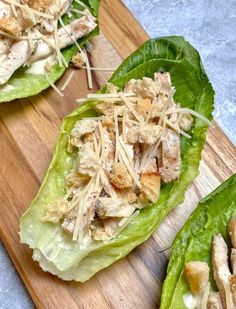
[[170, 161], [221, 269], [232, 231], [5, 45], [144, 133], [114, 207], [19, 53], [5, 9], [232, 281], [66, 36], [233, 260], [163, 81], [214, 301]]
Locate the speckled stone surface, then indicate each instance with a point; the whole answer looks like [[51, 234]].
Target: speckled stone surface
[[210, 26]]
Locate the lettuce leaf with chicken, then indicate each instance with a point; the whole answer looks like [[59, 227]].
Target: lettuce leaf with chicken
[[194, 241], [52, 247], [23, 84]]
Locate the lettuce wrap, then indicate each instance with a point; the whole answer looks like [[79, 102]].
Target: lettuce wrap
[[54, 249], [194, 241], [23, 84]]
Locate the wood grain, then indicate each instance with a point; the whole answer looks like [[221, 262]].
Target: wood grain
[[28, 133]]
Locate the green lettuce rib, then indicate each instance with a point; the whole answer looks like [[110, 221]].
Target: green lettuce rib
[[54, 249], [193, 242], [26, 85]]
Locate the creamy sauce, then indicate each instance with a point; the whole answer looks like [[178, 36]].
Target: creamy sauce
[[38, 67], [6, 88], [190, 301]]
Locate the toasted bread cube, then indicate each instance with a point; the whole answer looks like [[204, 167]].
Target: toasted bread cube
[[197, 275]]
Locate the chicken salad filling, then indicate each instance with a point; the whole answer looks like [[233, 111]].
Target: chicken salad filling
[[32, 31], [122, 157], [197, 275]]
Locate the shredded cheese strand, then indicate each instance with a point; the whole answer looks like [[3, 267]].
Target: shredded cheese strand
[[89, 75], [68, 80], [99, 69], [108, 95], [78, 11], [117, 135], [178, 130], [123, 158], [81, 4], [189, 111], [53, 86]]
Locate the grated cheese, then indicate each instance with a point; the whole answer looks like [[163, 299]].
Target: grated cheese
[[130, 107], [189, 111], [123, 126], [14, 10], [71, 36], [54, 86], [89, 75], [126, 223], [78, 11], [107, 95], [68, 80], [178, 130], [122, 156], [117, 135], [81, 3], [99, 69]]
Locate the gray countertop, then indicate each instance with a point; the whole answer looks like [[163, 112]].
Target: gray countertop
[[210, 26]]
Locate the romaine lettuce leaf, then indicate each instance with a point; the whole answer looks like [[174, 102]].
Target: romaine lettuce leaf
[[193, 242], [54, 249], [26, 85]]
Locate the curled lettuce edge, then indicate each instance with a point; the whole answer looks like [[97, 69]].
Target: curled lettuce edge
[[193, 242], [53, 249], [28, 84]]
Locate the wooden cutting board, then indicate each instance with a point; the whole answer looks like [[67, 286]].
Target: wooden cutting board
[[28, 133]]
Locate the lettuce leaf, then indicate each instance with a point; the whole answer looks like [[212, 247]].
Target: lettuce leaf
[[193, 242], [24, 84], [53, 249]]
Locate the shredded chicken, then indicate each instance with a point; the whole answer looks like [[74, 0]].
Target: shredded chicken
[[170, 162], [221, 269], [233, 260], [29, 32], [232, 231], [117, 169], [214, 301]]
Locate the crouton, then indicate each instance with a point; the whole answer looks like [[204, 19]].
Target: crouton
[[197, 275], [129, 195], [120, 177], [214, 301], [10, 25], [144, 107], [150, 186]]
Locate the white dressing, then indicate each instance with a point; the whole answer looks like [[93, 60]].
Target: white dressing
[[6, 88], [190, 301], [38, 67]]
